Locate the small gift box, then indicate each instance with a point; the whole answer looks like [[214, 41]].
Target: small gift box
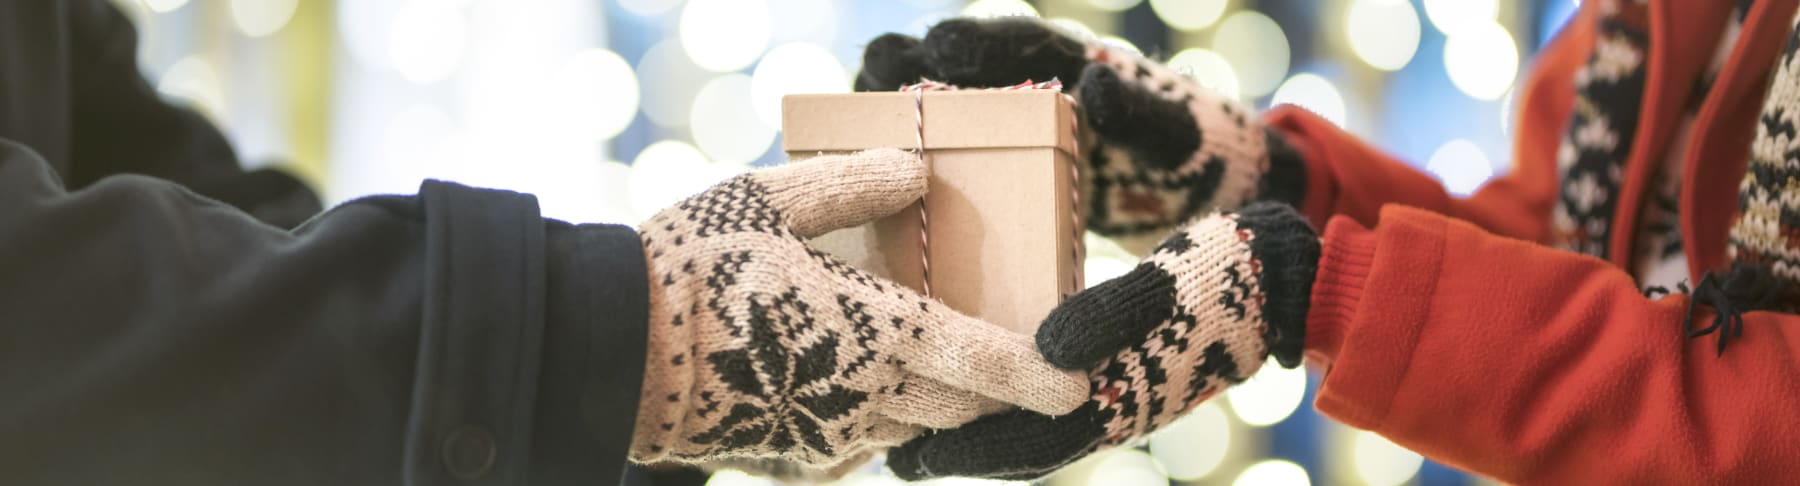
[[998, 236]]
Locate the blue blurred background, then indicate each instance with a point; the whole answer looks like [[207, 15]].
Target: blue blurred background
[[609, 110]]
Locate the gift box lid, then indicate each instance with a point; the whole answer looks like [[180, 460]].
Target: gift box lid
[[953, 120]]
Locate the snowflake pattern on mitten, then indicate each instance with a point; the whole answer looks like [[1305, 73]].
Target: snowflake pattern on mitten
[[764, 348]]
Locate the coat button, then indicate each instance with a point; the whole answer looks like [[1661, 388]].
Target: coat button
[[469, 452]]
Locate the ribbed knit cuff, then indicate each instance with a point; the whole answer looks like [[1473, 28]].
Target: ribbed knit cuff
[[1338, 287]]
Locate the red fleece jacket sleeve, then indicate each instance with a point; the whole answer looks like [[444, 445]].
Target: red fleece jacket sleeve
[[1347, 176], [1533, 365]]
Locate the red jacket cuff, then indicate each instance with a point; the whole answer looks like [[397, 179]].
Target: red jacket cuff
[[1371, 300], [1349, 250]]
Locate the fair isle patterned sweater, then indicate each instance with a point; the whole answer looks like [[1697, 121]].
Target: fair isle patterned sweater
[[1591, 159]]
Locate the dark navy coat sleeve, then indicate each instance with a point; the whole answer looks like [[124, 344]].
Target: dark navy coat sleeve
[[149, 335]]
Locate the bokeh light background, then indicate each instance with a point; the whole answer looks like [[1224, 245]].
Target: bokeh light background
[[609, 110]]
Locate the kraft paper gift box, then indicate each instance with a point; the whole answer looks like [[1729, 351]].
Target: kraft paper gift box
[[1001, 236]]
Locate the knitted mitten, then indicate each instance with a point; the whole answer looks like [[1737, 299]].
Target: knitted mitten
[[763, 348], [1202, 313], [1165, 149]]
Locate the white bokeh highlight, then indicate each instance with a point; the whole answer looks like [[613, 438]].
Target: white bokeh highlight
[[194, 80], [1273, 473], [793, 69], [1209, 69], [427, 39], [1193, 447], [1188, 14], [257, 18], [596, 94], [1453, 16], [1270, 396], [1481, 60], [1127, 467], [1461, 166], [1313, 92], [1256, 48], [1383, 33], [677, 78], [1380, 462], [667, 172], [725, 124], [725, 35]]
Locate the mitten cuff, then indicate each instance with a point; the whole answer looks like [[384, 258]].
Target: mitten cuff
[[668, 376], [1349, 253], [1288, 251]]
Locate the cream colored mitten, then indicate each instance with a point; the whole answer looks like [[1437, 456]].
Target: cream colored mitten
[[764, 348]]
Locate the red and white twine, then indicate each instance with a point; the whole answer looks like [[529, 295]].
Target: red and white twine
[[918, 91]]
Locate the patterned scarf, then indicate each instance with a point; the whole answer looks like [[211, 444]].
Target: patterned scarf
[[1766, 233], [1590, 160]]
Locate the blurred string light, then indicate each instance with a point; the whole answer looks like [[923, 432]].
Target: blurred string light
[[1194, 446], [999, 8], [417, 143], [608, 185], [1106, 260], [427, 39], [1273, 473], [193, 80], [1127, 467], [1508, 111], [1313, 92], [160, 6], [1122, 43], [1461, 165], [866, 479], [927, 4], [667, 172], [967, 482], [597, 94], [1188, 14], [257, 18], [1270, 396], [725, 35], [1256, 47], [726, 126], [1114, 5], [1481, 60], [791, 69], [364, 27], [1098, 270], [804, 20], [1453, 16], [1209, 69], [648, 8], [733, 477], [1383, 33], [1381, 463], [677, 80], [1074, 28]]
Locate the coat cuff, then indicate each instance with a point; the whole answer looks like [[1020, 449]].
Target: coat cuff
[[593, 354], [1371, 300]]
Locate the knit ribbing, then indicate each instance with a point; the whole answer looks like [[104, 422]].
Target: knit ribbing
[[1348, 255]]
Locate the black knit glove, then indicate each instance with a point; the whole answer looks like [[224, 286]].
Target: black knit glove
[[1166, 148], [1202, 313]]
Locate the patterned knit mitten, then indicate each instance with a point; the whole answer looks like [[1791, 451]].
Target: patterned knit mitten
[[1166, 149], [763, 348], [1202, 313]]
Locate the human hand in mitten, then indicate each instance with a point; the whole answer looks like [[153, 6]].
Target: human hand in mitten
[[1201, 313], [764, 348], [1166, 149]]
